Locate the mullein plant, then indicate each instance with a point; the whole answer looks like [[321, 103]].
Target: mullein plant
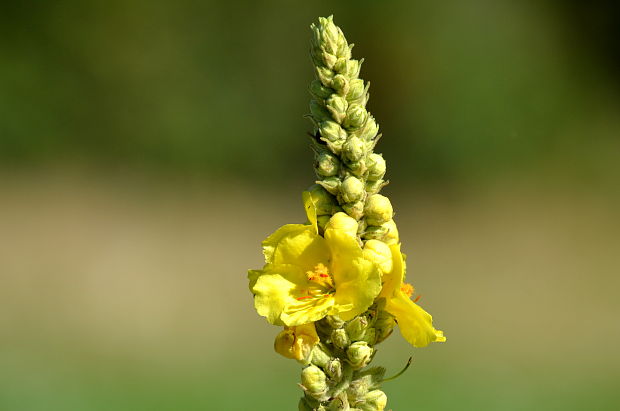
[[336, 284]]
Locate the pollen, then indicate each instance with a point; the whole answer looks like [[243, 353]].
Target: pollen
[[321, 276], [407, 289]]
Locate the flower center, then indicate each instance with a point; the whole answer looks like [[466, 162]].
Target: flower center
[[321, 282]]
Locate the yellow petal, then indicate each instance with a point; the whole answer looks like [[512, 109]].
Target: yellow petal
[[305, 311], [274, 290], [416, 325], [296, 342], [379, 253], [393, 279], [310, 209], [298, 246]]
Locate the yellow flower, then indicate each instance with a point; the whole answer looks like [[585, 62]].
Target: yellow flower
[[296, 342], [416, 325], [307, 276]]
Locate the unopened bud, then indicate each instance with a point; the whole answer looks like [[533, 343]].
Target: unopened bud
[[340, 84], [331, 184], [384, 325], [337, 106], [353, 150], [375, 400], [376, 167], [340, 338], [356, 116], [313, 379], [370, 129], [359, 354], [327, 164], [373, 187], [355, 210], [297, 342], [391, 236], [324, 202], [379, 253], [324, 75], [378, 210], [319, 355], [374, 233], [352, 68], [319, 90], [356, 328], [358, 168], [358, 389], [334, 369], [356, 90], [352, 189], [319, 112], [331, 131], [322, 221], [342, 222], [334, 321]]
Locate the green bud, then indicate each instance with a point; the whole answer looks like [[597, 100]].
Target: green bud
[[391, 236], [353, 150], [384, 325], [325, 75], [331, 184], [358, 389], [334, 321], [327, 164], [359, 354], [339, 403], [358, 168], [375, 233], [322, 221], [341, 66], [375, 400], [324, 202], [356, 90], [343, 223], [333, 135], [351, 190], [356, 328], [376, 167], [373, 187], [319, 112], [337, 106], [340, 338], [370, 129], [314, 381], [356, 116], [334, 369], [319, 355], [378, 210], [355, 210], [341, 84], [319, 91], [353, 68], [370, 336]]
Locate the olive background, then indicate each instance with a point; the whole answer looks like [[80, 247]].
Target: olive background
[[147, 147]]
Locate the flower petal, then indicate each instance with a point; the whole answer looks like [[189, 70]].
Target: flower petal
[[416, 325], [274, 288], [296, 244], [307, 311]]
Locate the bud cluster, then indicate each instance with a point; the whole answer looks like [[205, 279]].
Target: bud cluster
[[346, 134], [335, 378]]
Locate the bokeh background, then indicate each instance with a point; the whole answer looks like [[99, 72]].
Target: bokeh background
[[147, 147]]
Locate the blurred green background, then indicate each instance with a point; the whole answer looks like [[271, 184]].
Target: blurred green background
[[147, 147]]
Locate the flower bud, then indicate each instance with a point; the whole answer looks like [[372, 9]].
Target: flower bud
[[374, 233], [391, 236], [341, 84], [337, 106], [342, 222], [319, 112], [324, 202], [325, 75], [356, 116], [370, 336], [378, 210], [353, 149], [379, 253], [355, 210], [358, 389], [376, 167], [319, 355], [297, 342], [319, 91], [359, 354], [331, 131], [375, 400], [373, 187], [358, 168], [322, 221], [340, 338], [334, 321], [327, 164], [314, 381], [351, 190], [331, 184], [384, 325], [370, 129], [341, 66], [328, 59], [356, 328], [334, 369], [356, 90]]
